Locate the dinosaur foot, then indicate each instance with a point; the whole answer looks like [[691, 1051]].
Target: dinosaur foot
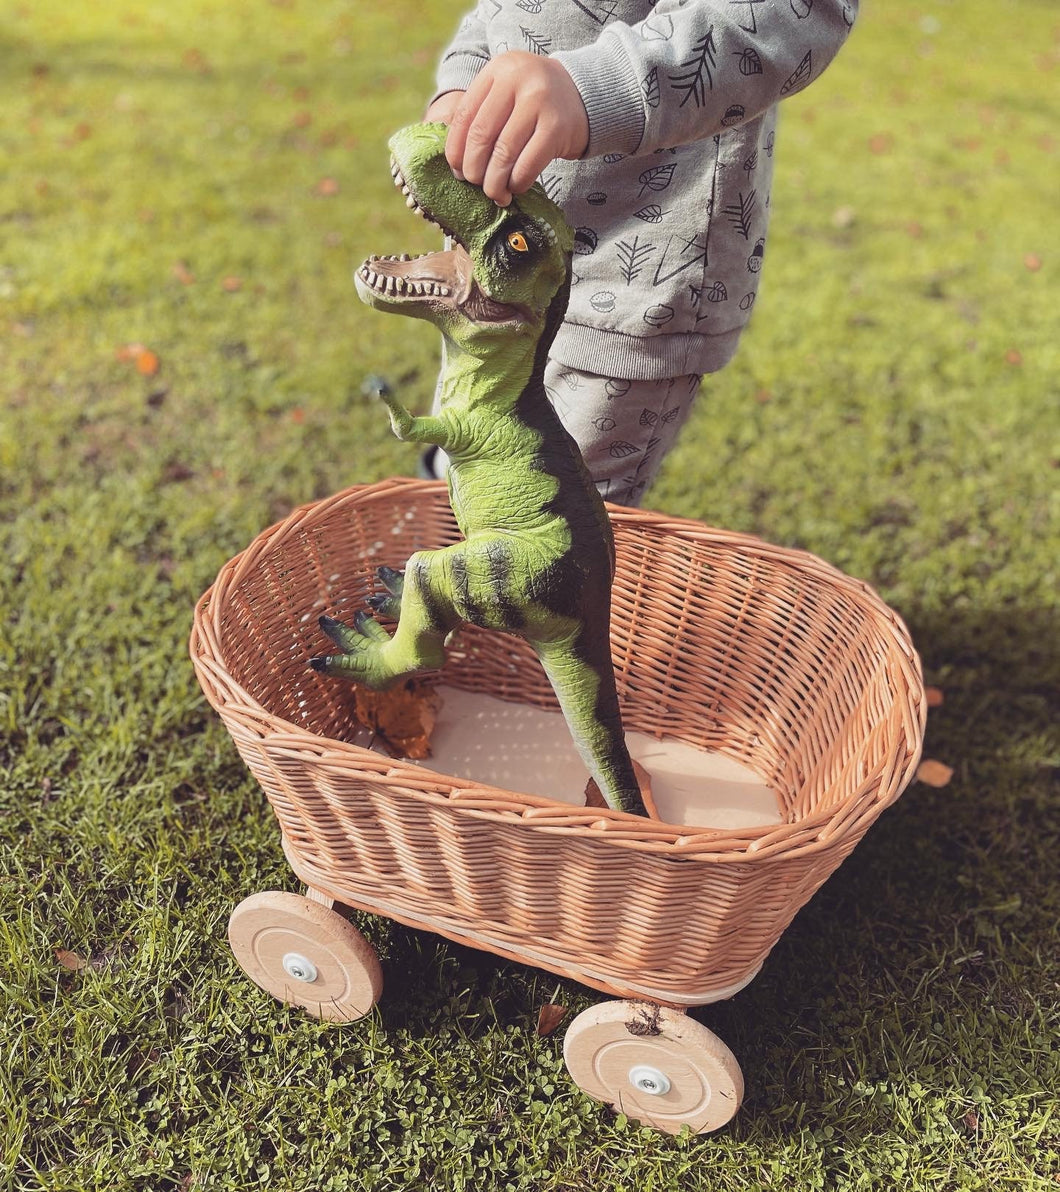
[[360, 646], [594, 797]]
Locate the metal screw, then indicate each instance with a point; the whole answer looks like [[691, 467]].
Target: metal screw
[[300, 967]]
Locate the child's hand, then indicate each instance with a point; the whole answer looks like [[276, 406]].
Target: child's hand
[[521, 111]]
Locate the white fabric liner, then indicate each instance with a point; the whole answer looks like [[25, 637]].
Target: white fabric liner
[[521, 748]]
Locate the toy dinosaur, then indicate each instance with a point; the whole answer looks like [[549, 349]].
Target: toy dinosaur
[[537, 558]]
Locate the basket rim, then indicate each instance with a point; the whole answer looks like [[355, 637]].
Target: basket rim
[[814, 832]]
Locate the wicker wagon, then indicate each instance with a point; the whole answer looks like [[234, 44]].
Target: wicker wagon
[[765, 655]]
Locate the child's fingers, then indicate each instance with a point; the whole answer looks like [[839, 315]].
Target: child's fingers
[[475, 127], [538, 151], [508, 149], [460, 120]]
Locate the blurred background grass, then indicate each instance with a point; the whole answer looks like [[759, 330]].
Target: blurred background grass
[[200, 179]]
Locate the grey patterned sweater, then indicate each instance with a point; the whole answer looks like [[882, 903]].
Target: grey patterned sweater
[[671, 200]]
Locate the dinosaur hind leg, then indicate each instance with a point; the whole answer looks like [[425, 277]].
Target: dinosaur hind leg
[[589, 702]]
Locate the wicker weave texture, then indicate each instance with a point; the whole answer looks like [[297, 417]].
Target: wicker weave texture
[[768, 655]]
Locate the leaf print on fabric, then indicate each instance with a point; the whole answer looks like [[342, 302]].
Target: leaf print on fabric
[[604, 10], [552, 184], [535, 42], [648, 417], [750, 63], [633, 256], [670, 415], [531, 6], [800, 77], [651, 89], [620, 449], [657, 29], [752, 28], [657, 177], [692, 254], [801, 8], [739, 213], [651, 214], [698, 77]]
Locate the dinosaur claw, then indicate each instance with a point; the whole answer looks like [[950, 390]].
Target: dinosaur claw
[[392, 580], [348, 640], [378, 602], [319, 664]]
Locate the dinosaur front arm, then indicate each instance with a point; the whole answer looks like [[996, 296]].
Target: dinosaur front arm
[[413, 428]]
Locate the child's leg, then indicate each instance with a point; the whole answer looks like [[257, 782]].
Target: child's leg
[[624, 428]]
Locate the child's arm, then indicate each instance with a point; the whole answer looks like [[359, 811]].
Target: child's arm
[[689, 70], [460, 62]]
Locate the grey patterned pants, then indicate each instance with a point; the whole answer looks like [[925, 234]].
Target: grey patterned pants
[[624, 428]]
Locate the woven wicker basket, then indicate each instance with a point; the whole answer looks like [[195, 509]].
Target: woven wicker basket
[[721, 641]]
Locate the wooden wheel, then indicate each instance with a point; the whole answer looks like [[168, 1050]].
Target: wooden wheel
[[305, 955], [655, 1065]]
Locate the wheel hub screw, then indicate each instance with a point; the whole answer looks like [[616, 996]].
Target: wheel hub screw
[[646, 1079], [300, 967]]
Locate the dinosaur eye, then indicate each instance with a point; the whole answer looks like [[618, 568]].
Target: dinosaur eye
[[518, 241]]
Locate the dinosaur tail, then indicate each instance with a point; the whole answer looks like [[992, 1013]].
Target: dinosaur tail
[[589, 702]]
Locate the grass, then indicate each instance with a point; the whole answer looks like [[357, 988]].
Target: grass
[[893, 408]]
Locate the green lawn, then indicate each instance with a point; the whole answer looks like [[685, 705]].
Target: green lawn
[[200, 178]]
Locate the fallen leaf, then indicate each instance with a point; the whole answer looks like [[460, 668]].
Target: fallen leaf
[[302, 119], [1014, 356], [183, 274], [934, 773], [402, 717], [70, 960], [935, 697], [1033, 262], [232, 284], [549, 1018], [298, 416], [971, 1120], [146, 361], [882, 142], [326, 188]]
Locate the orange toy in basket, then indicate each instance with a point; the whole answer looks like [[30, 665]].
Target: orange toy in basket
[[767, 657]]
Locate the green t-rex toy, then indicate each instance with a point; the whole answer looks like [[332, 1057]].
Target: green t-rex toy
[[538, 557]]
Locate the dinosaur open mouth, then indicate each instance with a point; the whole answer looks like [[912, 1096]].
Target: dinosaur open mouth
[[444, 278]]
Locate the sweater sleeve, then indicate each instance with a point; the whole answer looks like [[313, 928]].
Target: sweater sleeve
[[464, 57], [694, 67]]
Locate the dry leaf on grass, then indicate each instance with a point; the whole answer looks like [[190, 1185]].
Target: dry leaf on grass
[[402, 718], [550, 1017], [70, 960], [934, 773], [146, 361]]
